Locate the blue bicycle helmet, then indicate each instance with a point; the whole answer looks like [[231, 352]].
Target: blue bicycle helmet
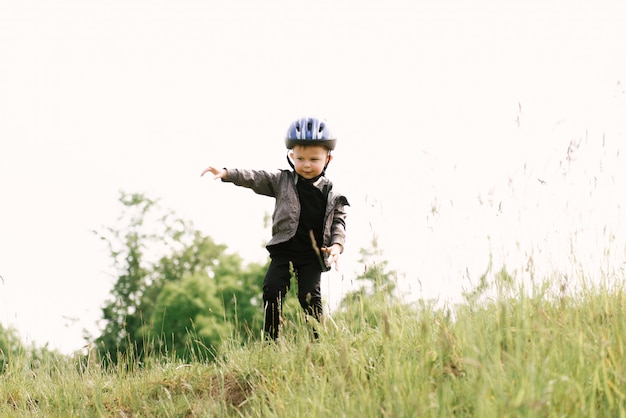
[[310, 131]]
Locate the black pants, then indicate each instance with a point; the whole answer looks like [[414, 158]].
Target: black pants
[[276, 284]]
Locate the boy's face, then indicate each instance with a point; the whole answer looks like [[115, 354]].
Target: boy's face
[[310, 160]]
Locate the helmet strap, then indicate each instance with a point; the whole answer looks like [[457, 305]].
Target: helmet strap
[[290, 162]]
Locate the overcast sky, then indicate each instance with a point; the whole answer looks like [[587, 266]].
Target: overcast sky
[[467, 130]]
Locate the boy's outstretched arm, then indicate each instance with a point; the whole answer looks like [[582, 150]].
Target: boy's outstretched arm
[[218, 173]]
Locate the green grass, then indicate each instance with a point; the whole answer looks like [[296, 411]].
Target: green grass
[[543, 353]]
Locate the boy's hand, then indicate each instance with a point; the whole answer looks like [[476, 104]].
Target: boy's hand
[[332, 254], [218, 173]]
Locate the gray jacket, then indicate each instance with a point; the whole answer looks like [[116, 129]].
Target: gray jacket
[[282, 186]]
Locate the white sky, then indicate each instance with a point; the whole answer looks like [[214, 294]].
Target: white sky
[[102, 96]]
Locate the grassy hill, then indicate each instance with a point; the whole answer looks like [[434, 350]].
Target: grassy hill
[[514, 353]]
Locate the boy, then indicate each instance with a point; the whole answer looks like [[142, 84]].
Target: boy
[[308, 224]]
